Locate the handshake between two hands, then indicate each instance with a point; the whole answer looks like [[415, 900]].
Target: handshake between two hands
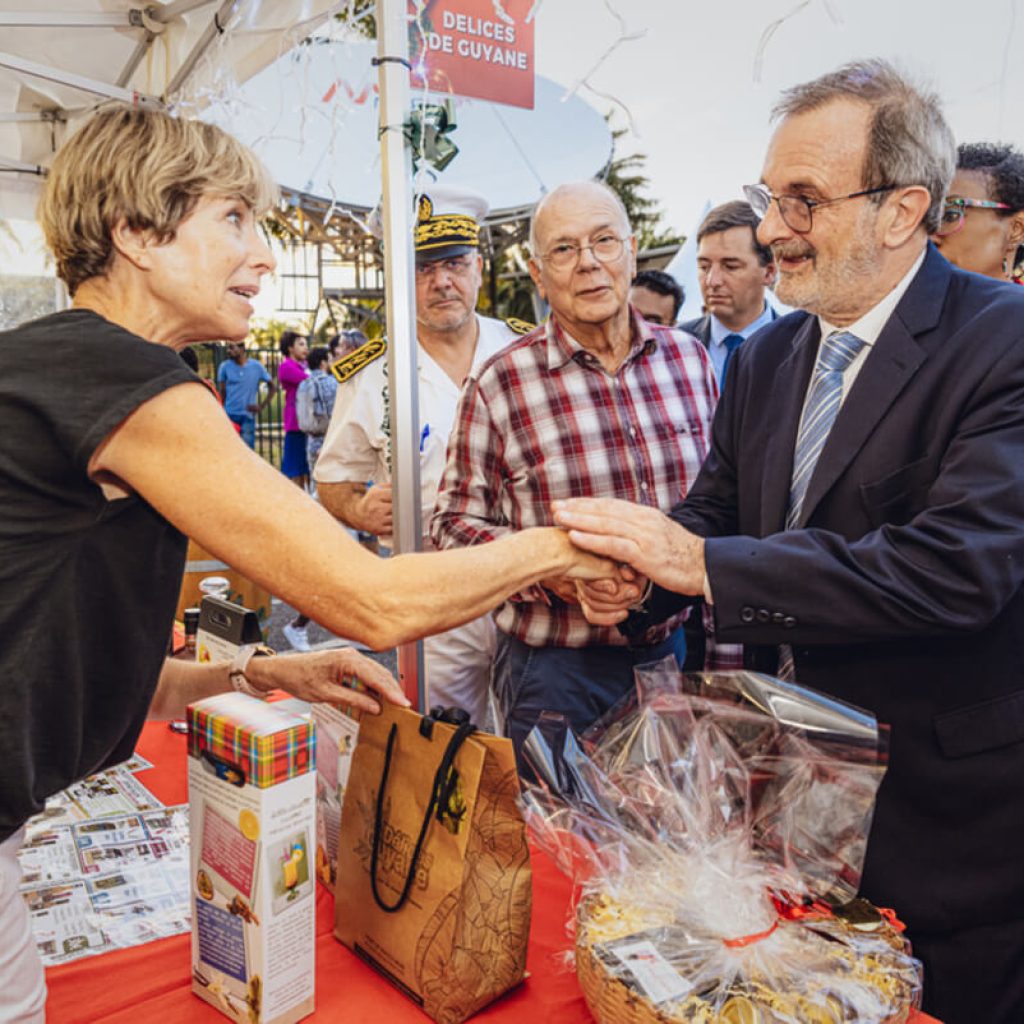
[[644, 544]]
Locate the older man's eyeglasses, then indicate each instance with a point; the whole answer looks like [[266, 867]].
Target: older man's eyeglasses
[[606, 249], [796, 211], [954, 213]]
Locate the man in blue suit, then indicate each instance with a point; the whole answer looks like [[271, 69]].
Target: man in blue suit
[[860, 518], [734, 270]]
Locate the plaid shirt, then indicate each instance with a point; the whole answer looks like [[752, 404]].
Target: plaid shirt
[[543, 420]]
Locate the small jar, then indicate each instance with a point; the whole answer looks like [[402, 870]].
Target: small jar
[[215, 586], [191, 618]]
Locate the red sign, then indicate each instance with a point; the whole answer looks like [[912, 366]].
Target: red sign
[[477, 48]]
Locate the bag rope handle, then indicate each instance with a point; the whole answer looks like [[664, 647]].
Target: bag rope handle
[[444, 783]]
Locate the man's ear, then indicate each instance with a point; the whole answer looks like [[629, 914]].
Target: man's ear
[[904, 213], [534, 267], [770, 271], [133, 244]]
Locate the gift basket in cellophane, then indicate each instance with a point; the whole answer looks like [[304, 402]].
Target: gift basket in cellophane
[[716, 827]]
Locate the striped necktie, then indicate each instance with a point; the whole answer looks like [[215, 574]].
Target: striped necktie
[[823, 400]]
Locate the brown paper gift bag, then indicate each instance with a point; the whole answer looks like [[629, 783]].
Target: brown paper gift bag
[[434, 881]]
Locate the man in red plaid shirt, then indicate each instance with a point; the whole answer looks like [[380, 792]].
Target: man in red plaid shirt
[[594, 402]]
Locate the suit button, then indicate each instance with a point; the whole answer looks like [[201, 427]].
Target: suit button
[[763, 615], [788, 622], [746, 614], [778, 618]]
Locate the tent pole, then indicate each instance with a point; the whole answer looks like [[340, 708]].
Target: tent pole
[[403, 407]]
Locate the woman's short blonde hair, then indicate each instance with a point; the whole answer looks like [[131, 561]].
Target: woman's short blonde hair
[[145, 167]]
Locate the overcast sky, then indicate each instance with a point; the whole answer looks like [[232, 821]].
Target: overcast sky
[[700, 108]]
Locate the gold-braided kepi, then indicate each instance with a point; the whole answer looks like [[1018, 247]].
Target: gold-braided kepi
[[447, 222]]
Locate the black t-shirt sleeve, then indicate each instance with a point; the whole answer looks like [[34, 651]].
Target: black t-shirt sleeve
[[100, 374]]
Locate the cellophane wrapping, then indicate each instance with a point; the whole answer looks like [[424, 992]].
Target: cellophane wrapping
[[716, 826]]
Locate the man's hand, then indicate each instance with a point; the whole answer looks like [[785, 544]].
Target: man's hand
[[374, 511], [607, 602], [636, 535], [562, 587], [328, 677], [252, 407]]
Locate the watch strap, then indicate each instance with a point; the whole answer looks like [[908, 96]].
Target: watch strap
[[236, 673]]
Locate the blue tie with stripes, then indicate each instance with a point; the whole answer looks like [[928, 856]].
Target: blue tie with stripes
[[823, 400]]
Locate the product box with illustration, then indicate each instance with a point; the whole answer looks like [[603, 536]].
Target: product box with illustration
[[224, 627], [252, 816]]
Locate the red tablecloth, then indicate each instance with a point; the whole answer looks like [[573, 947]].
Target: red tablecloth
[[152, 982]]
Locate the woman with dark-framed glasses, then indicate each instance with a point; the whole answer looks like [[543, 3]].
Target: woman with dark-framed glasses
[[982, 227]]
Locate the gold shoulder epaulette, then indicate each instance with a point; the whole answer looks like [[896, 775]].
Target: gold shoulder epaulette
[[348, 366], [519, 326]]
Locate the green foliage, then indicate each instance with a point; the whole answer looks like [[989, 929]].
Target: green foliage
[[267, 333], [359, 15], [626, 176], [515, 290]]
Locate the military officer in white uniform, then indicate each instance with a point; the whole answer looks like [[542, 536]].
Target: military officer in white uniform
[[353, 472]]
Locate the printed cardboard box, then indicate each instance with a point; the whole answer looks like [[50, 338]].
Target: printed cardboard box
[[252, 817], [337, 731], [223, 628]]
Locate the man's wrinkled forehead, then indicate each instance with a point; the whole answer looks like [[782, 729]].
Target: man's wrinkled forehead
[[574, 210], [818, 149]]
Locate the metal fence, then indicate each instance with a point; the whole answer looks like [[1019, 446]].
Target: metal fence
[[269, 425]]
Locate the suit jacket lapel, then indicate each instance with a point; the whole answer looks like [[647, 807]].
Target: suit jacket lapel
[[889, 366], [786, 400]]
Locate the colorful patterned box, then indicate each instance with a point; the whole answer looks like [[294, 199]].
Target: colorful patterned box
[[252, 818], [251, 737]]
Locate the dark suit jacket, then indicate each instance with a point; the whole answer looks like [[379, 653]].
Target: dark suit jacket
[[701, 327], [902, 593]]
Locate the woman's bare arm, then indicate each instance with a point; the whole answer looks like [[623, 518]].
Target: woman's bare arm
[[179, 452]]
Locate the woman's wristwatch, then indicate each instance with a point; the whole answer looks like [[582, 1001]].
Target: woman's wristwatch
[[240, 662]]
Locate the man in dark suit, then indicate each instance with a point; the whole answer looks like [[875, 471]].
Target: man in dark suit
[[863, 509], [733, 269]]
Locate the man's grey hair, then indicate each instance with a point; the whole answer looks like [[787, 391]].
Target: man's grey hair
[[570, 187], [909, 141]]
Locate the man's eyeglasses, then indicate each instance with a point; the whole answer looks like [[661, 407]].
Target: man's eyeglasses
[[457, 266], [606, 249], [955, 212], [796, 211]]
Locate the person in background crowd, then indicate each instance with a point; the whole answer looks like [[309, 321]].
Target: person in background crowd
[[239, 379], [345, 343], [119, 452], [982, 226], [733, 269], [291, 373], [314, 403], [859, 523], [594, 401], [657, 297], [453, 339]]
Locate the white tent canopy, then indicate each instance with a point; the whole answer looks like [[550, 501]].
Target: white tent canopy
[[59, 59]]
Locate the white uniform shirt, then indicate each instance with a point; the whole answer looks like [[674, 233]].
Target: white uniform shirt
[[357, 444]]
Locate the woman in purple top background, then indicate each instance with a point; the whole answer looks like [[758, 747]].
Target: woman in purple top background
[[294, 464], [291, 373]]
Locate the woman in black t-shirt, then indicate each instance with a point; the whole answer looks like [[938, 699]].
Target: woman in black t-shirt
[[118, 451]]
